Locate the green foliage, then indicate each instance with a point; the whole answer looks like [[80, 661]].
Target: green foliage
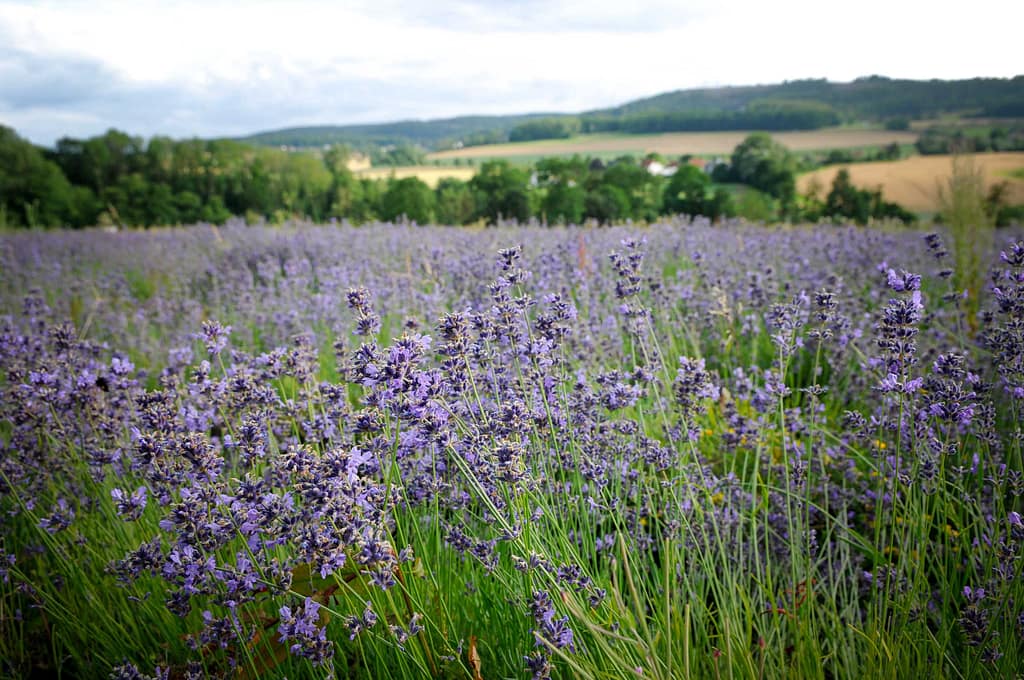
[[860, 205], [755, 206], [890, 152], [898, 123], [689, 192], [761, 162], [561, 183], [759, 115], [545, 128], [117, 179], [642, 189], [168, 182], [33, 190], [607, 203], [554, 170], [846, 200], [501, 192], [964, 211], [214, 211], [1008, 215], [999, 211], [969, 139], [455, 202], [399, 155], [564, 204], [483, 138], [409, 199]]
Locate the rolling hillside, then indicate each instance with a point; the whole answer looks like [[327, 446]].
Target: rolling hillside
[[874, 97], [793, 105]]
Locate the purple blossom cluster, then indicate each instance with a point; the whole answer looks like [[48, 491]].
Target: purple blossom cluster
[[280, 431]]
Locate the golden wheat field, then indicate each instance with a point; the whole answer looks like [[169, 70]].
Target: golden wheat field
[[913, 182], [429, 174], [679, 143]]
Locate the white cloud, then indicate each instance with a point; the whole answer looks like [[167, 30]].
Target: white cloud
[[219, 68]]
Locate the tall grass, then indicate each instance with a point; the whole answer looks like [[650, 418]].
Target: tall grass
[[962, 201]]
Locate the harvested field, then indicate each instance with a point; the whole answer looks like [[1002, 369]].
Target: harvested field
[[678, 143], [913, 182], [427, 173]]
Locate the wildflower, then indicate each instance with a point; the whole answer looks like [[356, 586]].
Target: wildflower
[[61, 516], [302, 629], [214, 337], [130, 507], [357, 624]]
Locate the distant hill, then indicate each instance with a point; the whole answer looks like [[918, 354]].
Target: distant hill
[[872, 98], [426, 133], [793, 105]]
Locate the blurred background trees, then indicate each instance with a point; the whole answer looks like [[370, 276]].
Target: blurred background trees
[[118, 179]]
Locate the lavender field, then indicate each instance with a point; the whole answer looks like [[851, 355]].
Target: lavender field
[[675, 451]]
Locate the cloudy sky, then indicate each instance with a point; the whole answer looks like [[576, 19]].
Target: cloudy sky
[[217, 68]]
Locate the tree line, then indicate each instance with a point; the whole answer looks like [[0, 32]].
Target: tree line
[[961, 139], [119, 179], [775, 115]]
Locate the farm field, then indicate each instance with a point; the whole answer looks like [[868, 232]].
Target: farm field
[[912, 182], [679, 143], [428, 174], [392, 451]]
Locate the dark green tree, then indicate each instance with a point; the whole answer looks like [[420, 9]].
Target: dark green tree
[[214, 211], [367, 206], [845, 200], [455, 204], [398, 156], [641, 187], [606, 203], [688, 192], [564, 203], [33, 190], [761, 162], [560, 181], [410, 198], [188, 206], [502, 192], [860, 205], [545, 128], [558, 170]]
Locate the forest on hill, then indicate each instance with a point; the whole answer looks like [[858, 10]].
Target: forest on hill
[[792, 105]]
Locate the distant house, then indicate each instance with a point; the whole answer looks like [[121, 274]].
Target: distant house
[[699, 163], [658, 168]]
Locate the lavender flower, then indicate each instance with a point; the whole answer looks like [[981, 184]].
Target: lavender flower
[[130, 507], [303, 630]]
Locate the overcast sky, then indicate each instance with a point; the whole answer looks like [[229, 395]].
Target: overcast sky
[[216, 68]]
